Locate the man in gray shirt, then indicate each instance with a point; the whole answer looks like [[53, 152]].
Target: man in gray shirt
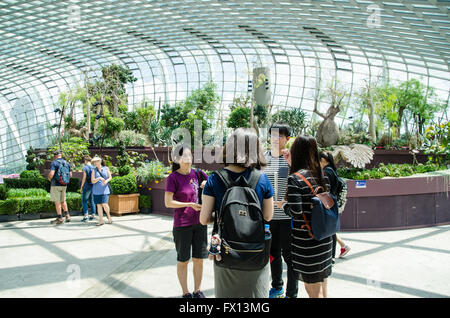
[[278, 170]]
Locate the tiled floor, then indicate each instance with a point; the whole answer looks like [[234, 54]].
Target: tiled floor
[[135, 257]]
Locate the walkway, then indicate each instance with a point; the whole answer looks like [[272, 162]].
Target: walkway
[[135, 257]]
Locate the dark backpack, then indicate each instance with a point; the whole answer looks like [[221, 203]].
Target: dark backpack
[[341, 194], [240, 224], [62, 176], [89, 174], [324, 213]]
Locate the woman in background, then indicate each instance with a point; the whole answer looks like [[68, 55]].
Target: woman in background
[[329, 169], [100, 189]]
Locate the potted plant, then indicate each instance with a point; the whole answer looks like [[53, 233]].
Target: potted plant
[[145, 204], [151, 179], [124, 198]]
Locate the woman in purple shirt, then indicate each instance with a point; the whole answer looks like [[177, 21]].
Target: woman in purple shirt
[[182, 194]]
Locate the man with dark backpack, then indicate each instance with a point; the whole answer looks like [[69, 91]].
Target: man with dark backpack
[[242, 198], [59, 176]]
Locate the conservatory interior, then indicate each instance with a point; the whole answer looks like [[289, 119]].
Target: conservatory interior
[[369, 80]]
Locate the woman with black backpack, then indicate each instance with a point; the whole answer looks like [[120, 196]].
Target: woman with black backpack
[[242, 198], [311, 258], [329, 169]]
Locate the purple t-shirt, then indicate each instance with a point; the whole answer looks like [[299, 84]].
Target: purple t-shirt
[[185, 189]]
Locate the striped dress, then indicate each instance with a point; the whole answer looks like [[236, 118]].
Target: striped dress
[[311, 258]]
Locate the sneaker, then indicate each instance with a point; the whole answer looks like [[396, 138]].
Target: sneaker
[[57, 221], [199, 294], [344, 251], [187, 295], [85, 219], [91, 217], [276, 293]]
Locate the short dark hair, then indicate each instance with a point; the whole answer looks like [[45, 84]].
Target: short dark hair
[[247, 151], [57, 152], [87, 158], [283, 129]]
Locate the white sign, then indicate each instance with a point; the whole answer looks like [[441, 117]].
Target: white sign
[[360, 184]]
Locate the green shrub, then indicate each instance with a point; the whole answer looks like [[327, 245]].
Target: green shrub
[[124, 170], [25, 193], [38, 204], [32, 205], [390, 170], [74, 185], [2, 192], [124, 185], [74, 201], [145, 201], [30, 174], [152, 171], [9, 206], [27, 183], [49, 206]]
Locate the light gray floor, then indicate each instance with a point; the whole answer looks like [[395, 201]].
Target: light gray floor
[[135, 257]]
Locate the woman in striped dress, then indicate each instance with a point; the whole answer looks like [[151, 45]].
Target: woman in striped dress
[[311, 258]]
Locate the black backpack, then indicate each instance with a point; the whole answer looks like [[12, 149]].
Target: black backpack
[[240, 224], [341, 193]]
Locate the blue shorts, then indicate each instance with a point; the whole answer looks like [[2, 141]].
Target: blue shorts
[[101, 199]]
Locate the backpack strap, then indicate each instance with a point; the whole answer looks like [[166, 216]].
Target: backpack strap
[[253, 178], [225, 178], [306, 225], [314, 192]]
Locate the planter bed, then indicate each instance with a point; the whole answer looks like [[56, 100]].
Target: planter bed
[[156, 190], [397, 203], [124, 204], [33, 216]]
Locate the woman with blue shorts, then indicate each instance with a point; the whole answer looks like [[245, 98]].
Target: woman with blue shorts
[[101, 189]]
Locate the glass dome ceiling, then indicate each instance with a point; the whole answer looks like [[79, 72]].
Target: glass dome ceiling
[[174, 47]]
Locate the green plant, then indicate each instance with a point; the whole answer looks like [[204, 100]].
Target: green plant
[[127, 160], [74, 201], [239, 117], [9, 207], [124, 184], [31, 205], [295, 118], [33, 160], [25, 193], [73, 150], [437, 138], [130, 138], [30, 174], [389, 170], [145, 201], [2, 192], [152, 171], [41, 183]]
